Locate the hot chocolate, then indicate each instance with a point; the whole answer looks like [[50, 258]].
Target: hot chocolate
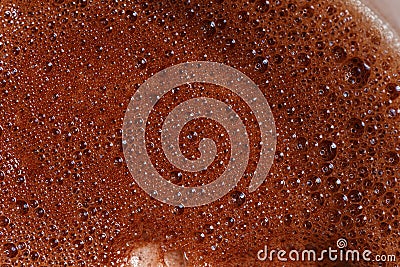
[[69, 68]]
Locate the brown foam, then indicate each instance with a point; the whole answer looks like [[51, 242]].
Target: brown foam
[[68, 70]]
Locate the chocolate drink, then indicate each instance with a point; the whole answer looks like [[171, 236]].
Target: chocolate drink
[[69, 69]]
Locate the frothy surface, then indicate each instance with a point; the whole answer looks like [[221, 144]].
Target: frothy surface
[[68, 70]]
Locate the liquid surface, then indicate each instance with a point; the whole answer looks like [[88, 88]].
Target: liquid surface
[[67, 73]]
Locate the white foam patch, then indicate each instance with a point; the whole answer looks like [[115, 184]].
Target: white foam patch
[[150, 255]]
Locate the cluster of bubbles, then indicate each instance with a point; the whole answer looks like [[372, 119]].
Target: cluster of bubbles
[[69, 68]]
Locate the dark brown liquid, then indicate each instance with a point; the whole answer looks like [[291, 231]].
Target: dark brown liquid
[[68, 70]]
